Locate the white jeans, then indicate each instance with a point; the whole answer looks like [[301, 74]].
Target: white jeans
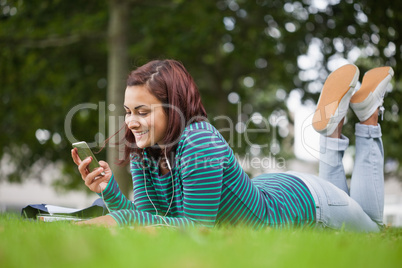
[[362, 208]]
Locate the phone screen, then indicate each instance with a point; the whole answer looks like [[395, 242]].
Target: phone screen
[[84, 151]]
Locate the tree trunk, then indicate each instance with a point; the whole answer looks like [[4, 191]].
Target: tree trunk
[[117, 73]]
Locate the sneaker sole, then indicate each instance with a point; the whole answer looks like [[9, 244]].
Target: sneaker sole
[[371, 93], [334, 99]]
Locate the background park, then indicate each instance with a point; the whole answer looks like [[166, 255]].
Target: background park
[[259, 65]]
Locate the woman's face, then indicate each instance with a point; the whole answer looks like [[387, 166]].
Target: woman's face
[[145, 116]]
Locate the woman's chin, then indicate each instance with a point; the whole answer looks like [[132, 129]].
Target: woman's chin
[[145, 143], [141, 145]]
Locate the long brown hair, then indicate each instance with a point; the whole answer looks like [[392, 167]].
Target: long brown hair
[[174, 87]]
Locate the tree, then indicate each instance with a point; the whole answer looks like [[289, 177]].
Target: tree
[[117, 72]]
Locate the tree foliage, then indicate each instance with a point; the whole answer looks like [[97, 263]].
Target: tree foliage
[[54, 56]]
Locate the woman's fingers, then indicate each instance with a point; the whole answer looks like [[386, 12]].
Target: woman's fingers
[[96, 180], [104, 164], [82, 164], [92, 176], [106, 168], [75, 156], [99, 184], [105, 221], [83, 167]]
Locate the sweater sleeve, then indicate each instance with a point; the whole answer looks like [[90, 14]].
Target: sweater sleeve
[[114, 198], [118, 203], [201, 162]]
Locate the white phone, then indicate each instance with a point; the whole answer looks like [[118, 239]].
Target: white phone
[[84, 151]]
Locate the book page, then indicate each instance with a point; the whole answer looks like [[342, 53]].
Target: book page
[[56, 209]]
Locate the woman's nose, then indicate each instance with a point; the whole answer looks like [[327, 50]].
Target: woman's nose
[[132, 123]]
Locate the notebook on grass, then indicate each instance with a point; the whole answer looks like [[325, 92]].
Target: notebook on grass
[[47, 213]]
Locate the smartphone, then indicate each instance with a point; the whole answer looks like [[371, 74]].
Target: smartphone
[[83, 152]]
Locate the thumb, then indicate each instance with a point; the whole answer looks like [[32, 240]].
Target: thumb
[[104, 164]]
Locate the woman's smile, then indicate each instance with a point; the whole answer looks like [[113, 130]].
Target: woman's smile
[[139, 135]]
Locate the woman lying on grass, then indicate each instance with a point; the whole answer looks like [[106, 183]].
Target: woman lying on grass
[[185, 174]]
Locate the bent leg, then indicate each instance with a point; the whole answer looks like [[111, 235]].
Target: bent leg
[[330, 166], [367, 185]]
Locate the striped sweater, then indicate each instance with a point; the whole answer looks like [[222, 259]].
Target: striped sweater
[[210, 188]]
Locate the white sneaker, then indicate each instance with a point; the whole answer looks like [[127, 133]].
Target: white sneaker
[[334, 100], [370, 96]]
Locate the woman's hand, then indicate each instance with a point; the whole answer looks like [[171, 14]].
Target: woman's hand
[[93, 180], [106, 221]]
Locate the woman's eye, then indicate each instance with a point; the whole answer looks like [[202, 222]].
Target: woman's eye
[[127, 113]]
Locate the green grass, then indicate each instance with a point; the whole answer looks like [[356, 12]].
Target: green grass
[[62, 244]]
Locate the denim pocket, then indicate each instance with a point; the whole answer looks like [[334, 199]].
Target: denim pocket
[[335, 196]]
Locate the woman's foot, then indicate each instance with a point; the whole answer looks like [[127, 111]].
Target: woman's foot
[[334, 100], [370, 96]]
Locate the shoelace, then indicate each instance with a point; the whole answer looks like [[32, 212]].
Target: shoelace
[[381, 108], [381, 112]]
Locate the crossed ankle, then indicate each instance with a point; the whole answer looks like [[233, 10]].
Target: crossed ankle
[[372, 120]]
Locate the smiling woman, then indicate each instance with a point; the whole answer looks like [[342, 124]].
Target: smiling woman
[[167, 99], [145, 117], [185, 174]]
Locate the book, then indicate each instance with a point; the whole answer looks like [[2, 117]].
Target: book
[[50, 218], [48, 213]]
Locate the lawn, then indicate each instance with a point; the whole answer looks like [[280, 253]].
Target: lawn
[[26, 243]]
